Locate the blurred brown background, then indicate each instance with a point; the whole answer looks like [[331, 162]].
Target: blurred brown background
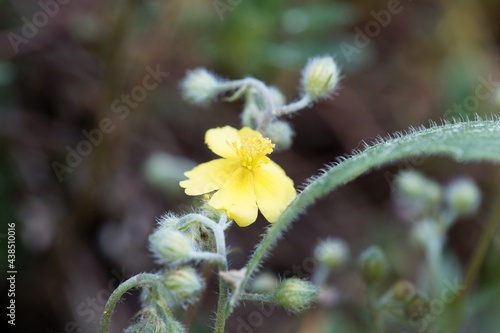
[[107, 73]]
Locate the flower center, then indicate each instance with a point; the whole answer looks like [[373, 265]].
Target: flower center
[[252, 150]]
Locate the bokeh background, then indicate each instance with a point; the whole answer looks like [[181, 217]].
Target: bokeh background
[[82, 223]]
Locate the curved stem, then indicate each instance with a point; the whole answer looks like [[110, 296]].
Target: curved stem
[[263, 91], [139, 280], [464, 141], [302, 103], [217, 229]]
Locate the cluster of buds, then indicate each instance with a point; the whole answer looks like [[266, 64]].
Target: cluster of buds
[[183, 239], [177, 241], [436, 208], [404, 300], [264, 105]]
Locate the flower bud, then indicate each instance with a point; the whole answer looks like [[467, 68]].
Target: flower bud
[[183, 283], [147, 321], [463, 196], [416, 307], [413, 185], [281, 134], [320, 77], [168, 220], [277, 96], [264, 283], [331, 252], [373, 264], [424, 232], [402, 291], [295, 295], [169, 245], [165, 171], [200, 86]]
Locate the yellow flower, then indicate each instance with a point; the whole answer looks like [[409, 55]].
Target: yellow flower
[[245, 179]]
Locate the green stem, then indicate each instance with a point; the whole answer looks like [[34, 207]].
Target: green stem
[[208, 256], [434, 254], [257, 297], [221, 255], [477, 140], [220, 319], [263, 91], [482, 249], [302, 103], [475, 265], [140, 280]]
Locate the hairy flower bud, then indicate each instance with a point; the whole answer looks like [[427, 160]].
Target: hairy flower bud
[[183, 283], [281, 134], [295, 295], [200, 86], [320, 77], [463, 196], [277, 96], [402, 291], [331, 252], [169, 245], [373, 264], [165, 171], [413, 185], [147, 321], [416, 306]]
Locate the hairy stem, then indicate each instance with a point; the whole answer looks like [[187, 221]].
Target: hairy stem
[[140, 280], [302, 103], [477, 140]]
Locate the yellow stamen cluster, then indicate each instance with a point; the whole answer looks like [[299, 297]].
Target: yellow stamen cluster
[[252, 150]]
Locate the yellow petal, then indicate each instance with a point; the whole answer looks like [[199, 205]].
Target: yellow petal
[[208, 177], [237, 198], [247, 131], [273, 190], [219, 141]]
